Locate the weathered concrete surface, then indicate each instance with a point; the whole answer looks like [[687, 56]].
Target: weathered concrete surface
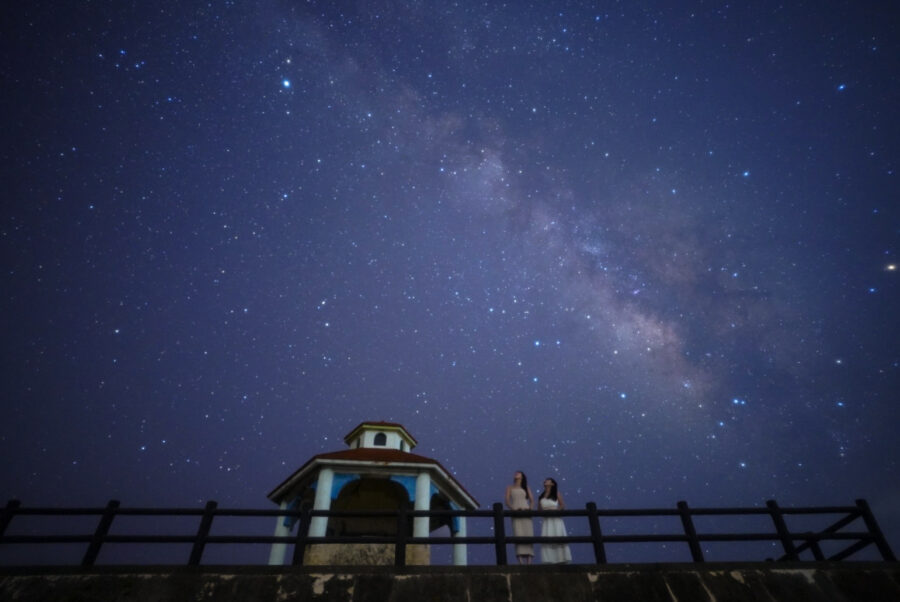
[[355, 554], [725, 582]]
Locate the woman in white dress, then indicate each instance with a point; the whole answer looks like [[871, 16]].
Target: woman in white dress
[[551, 499], [518, 497]]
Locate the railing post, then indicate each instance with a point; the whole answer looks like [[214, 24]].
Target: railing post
[[790, 551], [400, 546], [688, 523], [302, 534], [813, 543], [877, 536], [499, 535], [100, 534], [7, 515], [202, 533], [596, 534]]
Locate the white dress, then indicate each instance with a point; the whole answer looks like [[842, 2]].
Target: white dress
[[553, 553]]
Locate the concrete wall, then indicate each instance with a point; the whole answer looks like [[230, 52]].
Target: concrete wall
[[369, 554], [810, 582]]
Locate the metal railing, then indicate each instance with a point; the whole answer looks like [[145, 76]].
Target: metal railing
[[792, 543]]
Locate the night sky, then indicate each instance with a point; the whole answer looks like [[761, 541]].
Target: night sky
[[650, 252]]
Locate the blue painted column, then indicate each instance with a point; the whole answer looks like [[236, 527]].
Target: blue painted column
[[423, 502], [319, 524], [460, 553], [276, 554]]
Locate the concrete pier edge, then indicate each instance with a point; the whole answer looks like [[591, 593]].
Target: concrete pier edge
[[713, 582]]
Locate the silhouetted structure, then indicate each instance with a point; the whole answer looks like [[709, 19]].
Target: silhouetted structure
[[377, 473]]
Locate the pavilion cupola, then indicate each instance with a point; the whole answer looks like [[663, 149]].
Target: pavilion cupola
[[380, 435]]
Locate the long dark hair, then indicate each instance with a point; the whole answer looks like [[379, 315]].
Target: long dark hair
[[524, 485], [550, 495]]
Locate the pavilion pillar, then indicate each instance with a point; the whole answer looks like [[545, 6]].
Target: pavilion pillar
[[277, 552], [319, 524], [460, 553], [423, 502]]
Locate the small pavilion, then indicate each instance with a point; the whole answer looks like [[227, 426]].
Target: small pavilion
[[378, 471]]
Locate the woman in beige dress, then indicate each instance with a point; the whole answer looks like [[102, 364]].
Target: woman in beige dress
[[519, 497]]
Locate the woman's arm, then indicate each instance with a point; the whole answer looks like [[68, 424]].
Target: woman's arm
[[530, 499], [559, 498], [508, 505]]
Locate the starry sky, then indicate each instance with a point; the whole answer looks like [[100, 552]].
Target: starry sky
[[648, 249]]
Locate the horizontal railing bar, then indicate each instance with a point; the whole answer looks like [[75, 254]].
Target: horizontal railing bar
[[661, 512], [119, 511], [628, 538], [774, 536], [150, 539], [752, 511], [46, 539], [820, 510]]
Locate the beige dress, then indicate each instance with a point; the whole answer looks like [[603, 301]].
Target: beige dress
[[522, 527]]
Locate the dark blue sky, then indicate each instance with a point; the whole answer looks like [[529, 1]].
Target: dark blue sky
[[647, 251]]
